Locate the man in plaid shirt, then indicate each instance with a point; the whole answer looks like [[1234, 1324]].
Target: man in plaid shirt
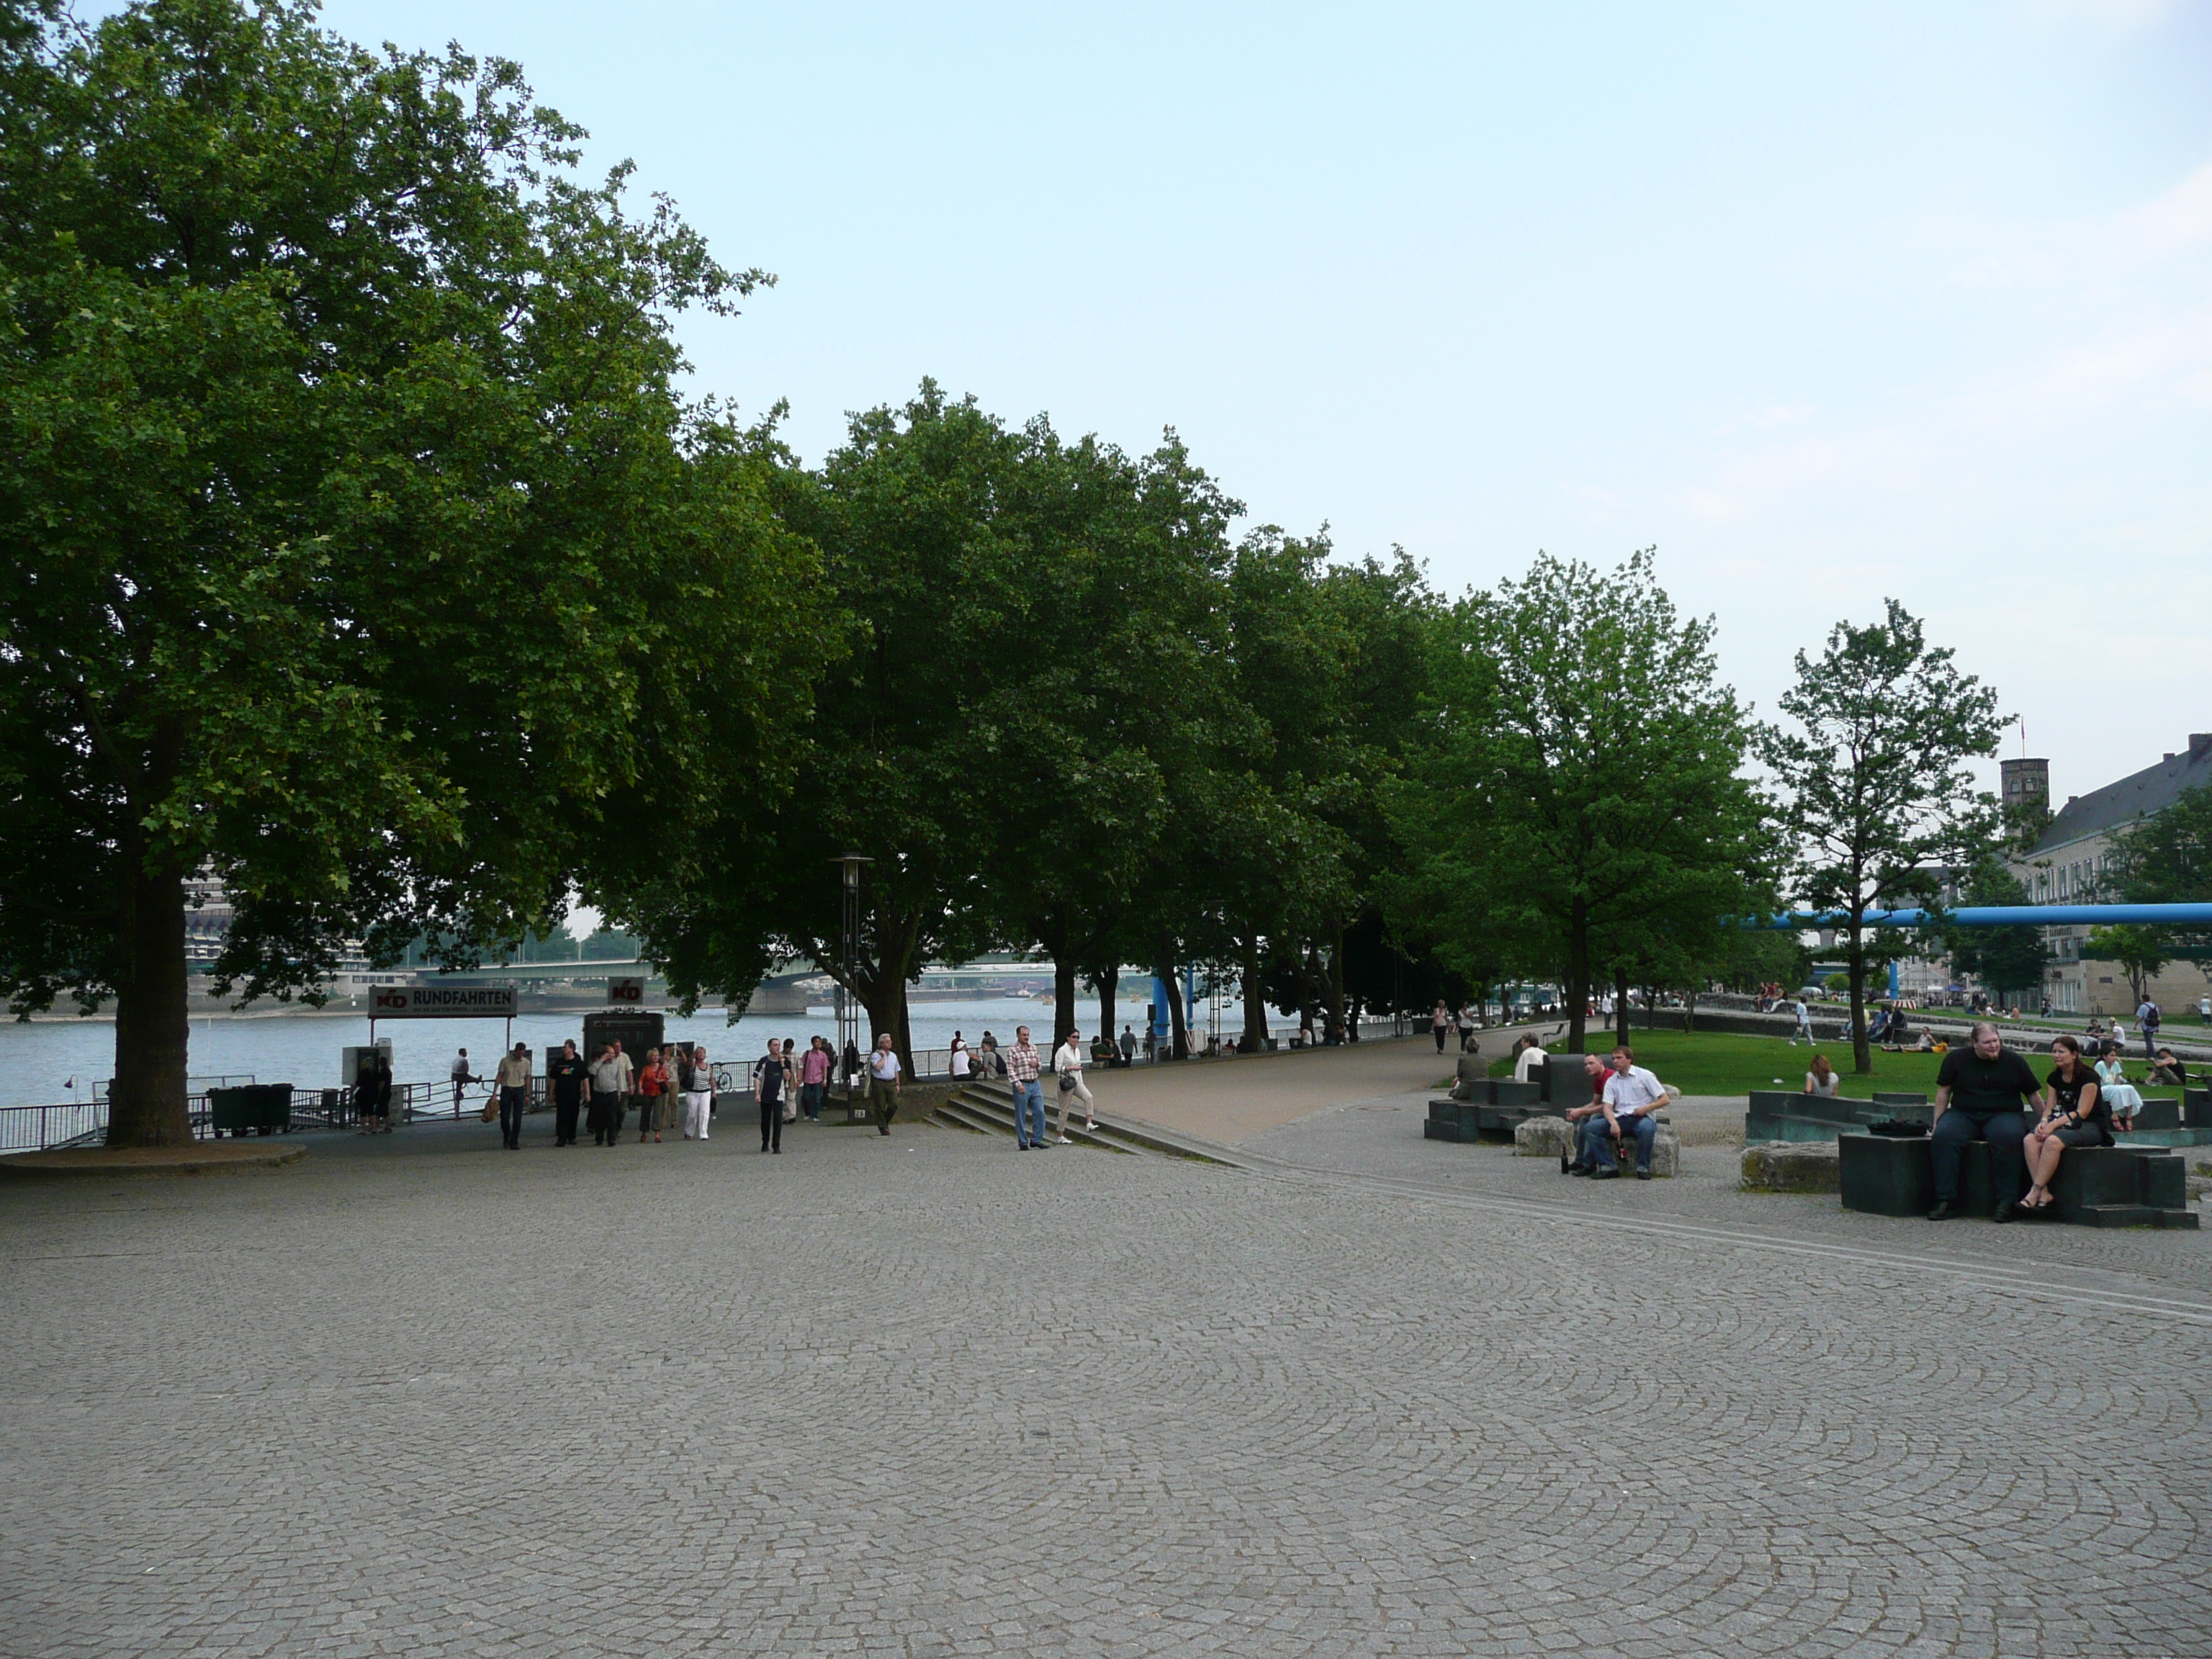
[[1023, 1064]]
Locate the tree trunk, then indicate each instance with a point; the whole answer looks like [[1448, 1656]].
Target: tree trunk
[[1108, 982], [1578, 973], [1163, 968], [1335, 1012], [1063, 998], [1255, 1001], [1620, 1006], [1854, 957], [146, 1103]]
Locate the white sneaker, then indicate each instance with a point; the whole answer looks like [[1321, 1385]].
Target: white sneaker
[[1064, 1141]]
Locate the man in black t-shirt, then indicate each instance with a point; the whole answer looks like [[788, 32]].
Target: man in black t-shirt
[[1982, 1093], [570, 1077]]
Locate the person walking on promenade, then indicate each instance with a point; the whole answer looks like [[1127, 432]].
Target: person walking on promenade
[[605, 1092], [697, 1078], [570, 1079], [2073, 1115], [653, 1082], [884, 1080], [512, 1078], [814, 1078], [463, 1075], [1979, 1095], [1023, 1065], [1440, 1022], [1068, 1066], [1128, 1046], [769, 1078], [621, 1076], [2148, 1020], [1804, 1024]]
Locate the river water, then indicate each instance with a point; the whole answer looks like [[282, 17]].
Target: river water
[[40, 1061]]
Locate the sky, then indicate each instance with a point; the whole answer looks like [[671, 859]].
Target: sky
[[1829, 303]]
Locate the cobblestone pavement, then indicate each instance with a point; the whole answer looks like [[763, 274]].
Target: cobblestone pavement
[[928, 1395]]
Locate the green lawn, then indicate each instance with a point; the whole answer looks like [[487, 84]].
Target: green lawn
[[1701, 1064]]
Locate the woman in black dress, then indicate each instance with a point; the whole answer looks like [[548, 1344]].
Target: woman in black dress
[[2073, 1115]]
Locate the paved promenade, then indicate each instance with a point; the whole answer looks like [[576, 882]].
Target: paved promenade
[[1359, 1393]]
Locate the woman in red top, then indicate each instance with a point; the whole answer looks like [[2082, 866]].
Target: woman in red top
[[652, 1084]]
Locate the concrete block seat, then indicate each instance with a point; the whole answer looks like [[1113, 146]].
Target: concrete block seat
[[1477, 1120], [1792, 1166], [2185, 1120], [1785, 1114], [2096, 1185]]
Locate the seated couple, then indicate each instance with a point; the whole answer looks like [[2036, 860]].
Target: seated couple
[[1985, 1093], [1625, 1099]]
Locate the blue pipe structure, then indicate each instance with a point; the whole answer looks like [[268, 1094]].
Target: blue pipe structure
[[2013, 915]]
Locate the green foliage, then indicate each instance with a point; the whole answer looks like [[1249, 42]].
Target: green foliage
[[2167, 858], [2006, 959], [1573, 800], [1877, 797], [360, 549], [2141, 952]]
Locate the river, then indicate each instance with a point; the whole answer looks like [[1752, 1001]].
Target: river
[[39, 1061]]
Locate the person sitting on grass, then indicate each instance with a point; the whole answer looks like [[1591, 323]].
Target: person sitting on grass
[[2169, 1071], [1633, 1095], [1822, 1080], [2073, 1115]]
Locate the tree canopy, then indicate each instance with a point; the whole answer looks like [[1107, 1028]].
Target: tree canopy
[[362, 547]]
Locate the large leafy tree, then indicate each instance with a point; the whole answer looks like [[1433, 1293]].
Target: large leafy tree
[[359, 547], [1878, 799], [1577, 795]]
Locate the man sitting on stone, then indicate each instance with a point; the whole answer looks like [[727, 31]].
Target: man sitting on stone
[[1632, 1095], [1982, 1093], [1597, 1073], [1528, 1054]]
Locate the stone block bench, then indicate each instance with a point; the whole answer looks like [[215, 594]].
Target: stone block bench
[[1792, 1166], [1485, 1120], [1782, 1115], [2096, 1185]]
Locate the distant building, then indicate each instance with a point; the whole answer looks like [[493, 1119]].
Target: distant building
[[2072, 863]]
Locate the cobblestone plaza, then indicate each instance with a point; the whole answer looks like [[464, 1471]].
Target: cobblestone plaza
[[1355, 1393]]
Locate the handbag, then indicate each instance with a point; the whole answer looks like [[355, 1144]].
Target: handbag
[[491, 1109]]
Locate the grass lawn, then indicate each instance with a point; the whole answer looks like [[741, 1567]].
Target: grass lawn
[[1697, 1063]]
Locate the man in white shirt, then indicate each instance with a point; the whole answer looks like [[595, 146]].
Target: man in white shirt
[[611, 1079], [884, 1079], [1527, 1059], [1804, 1023], [463, 1076], [1068, 1062], [1632, 1095]]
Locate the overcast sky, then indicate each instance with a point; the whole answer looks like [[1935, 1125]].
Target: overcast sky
[[1829, 302]]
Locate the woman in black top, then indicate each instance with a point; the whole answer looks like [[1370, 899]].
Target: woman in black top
[[2073, 1115]]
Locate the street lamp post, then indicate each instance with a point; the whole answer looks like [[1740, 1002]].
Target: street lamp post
[[848, 960]]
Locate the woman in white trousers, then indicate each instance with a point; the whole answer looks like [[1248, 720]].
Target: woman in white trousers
[[698, 1095], [1067, 1062]]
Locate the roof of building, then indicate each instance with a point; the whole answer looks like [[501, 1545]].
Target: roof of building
[[2151, 790]]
